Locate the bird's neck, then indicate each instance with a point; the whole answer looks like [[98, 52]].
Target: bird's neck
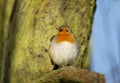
[[65, 36]]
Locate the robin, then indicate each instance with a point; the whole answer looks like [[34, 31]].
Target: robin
[[64, 48]]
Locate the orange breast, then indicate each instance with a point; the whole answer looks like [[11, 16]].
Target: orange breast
[[64, 36]]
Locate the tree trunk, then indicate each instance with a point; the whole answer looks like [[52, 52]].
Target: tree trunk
[[26, 28], [5, 12]]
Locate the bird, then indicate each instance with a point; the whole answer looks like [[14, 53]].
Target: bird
[[63, 48]]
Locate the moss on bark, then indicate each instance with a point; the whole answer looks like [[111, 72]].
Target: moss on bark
[[5, 13], [72, 75], [30, 27]]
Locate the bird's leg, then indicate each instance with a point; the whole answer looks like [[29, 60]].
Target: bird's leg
[[55, 67]]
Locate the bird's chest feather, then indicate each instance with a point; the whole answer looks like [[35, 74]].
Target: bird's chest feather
[[64, 47], [63, 53]]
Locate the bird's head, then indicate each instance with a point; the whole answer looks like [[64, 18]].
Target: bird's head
[[65, 34]]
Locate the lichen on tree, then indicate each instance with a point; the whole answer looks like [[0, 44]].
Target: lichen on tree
[[28, 28]]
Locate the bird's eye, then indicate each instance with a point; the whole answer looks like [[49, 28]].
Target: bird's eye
[[60, 30]]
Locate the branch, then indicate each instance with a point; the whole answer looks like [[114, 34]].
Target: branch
[[72, 75]]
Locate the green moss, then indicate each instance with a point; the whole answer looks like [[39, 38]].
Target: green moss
[[32, 25], [71, 75]]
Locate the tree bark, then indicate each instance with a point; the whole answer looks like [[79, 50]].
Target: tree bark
[[26, 28], [5, 13]]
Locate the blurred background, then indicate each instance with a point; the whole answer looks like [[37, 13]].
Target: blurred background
[[105, 40]]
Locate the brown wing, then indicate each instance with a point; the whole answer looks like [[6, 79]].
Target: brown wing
[[52, 37]]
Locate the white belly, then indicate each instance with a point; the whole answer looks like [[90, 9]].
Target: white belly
[[63, 53]]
